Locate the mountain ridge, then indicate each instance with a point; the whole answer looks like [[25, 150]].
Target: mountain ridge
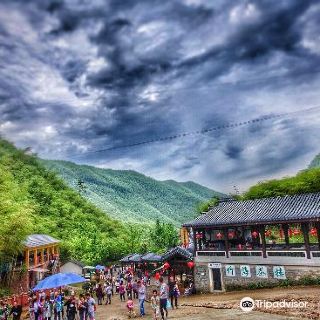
[[131, 196]]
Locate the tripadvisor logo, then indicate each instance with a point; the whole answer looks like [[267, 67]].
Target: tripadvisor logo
[[247, 304]]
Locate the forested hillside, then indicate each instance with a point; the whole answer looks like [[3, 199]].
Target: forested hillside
[[35, 200], [131, 196], [307, 181], [315, 163]]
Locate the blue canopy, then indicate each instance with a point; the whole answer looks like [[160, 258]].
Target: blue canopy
[[99, 267], [59, 280]]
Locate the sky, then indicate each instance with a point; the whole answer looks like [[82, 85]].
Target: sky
[[85, 81]]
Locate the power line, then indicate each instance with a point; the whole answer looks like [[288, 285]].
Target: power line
[[202, 131]]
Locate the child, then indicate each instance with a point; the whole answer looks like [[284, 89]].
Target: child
[[130, 307], [155, 304]]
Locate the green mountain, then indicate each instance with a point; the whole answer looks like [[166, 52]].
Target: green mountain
[[35, 200], [315, 163], [130, 196]]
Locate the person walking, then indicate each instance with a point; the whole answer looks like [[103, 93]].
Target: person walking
[[155, 301], [174, 292], [141, 297], [164, 290], [58, 307], [91, 306], [82, 308], [122, 291], [99, 294], [47, 312], [176, 295], [71, 305], [135, 289], [129, 290], [16, 311], [108, 292], [41, 308]]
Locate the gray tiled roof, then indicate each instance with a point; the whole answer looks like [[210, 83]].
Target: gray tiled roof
[[135, 258], [266, 210], [126, 258], [177, 251], [37, 240], [151, 257]]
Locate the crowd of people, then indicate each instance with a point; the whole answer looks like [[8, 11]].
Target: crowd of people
[[133, 289], [56, 306], [130, 288], [7, 310]]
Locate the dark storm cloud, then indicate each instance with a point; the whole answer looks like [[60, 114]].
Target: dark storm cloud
[[80, 75]]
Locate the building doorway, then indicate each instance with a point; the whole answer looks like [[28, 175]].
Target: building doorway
[[216, 279]]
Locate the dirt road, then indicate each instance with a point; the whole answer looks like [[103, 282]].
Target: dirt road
[[226, 306]]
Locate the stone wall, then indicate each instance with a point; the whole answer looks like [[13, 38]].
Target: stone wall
[[202, 279]]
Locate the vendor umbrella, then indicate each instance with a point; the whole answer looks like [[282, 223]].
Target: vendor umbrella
[[59, 280], [99, 267]]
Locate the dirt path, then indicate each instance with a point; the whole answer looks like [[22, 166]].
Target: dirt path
[[226, 306]]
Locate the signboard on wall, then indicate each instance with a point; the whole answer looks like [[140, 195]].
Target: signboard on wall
[[279, 272], [230, 270], [215, 265], [245, 271], [261, 272]]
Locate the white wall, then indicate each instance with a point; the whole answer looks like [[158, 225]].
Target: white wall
[[71, 267]]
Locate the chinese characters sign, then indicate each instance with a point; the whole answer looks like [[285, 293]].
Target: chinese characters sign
[[230, 270], [279, 272], [245, 271], [261, 272]]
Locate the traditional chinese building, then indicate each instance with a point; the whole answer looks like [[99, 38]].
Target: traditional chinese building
[[177, 261], [241, 242], [39, 258]]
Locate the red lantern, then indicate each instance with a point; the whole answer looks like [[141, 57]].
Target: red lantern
[[231, 234], [254, 234], [219, 235], [268, 233], [190, 264], [157, 276], [166, 266], [296, 232], [281, 233], [290, 233], [313, 231]]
